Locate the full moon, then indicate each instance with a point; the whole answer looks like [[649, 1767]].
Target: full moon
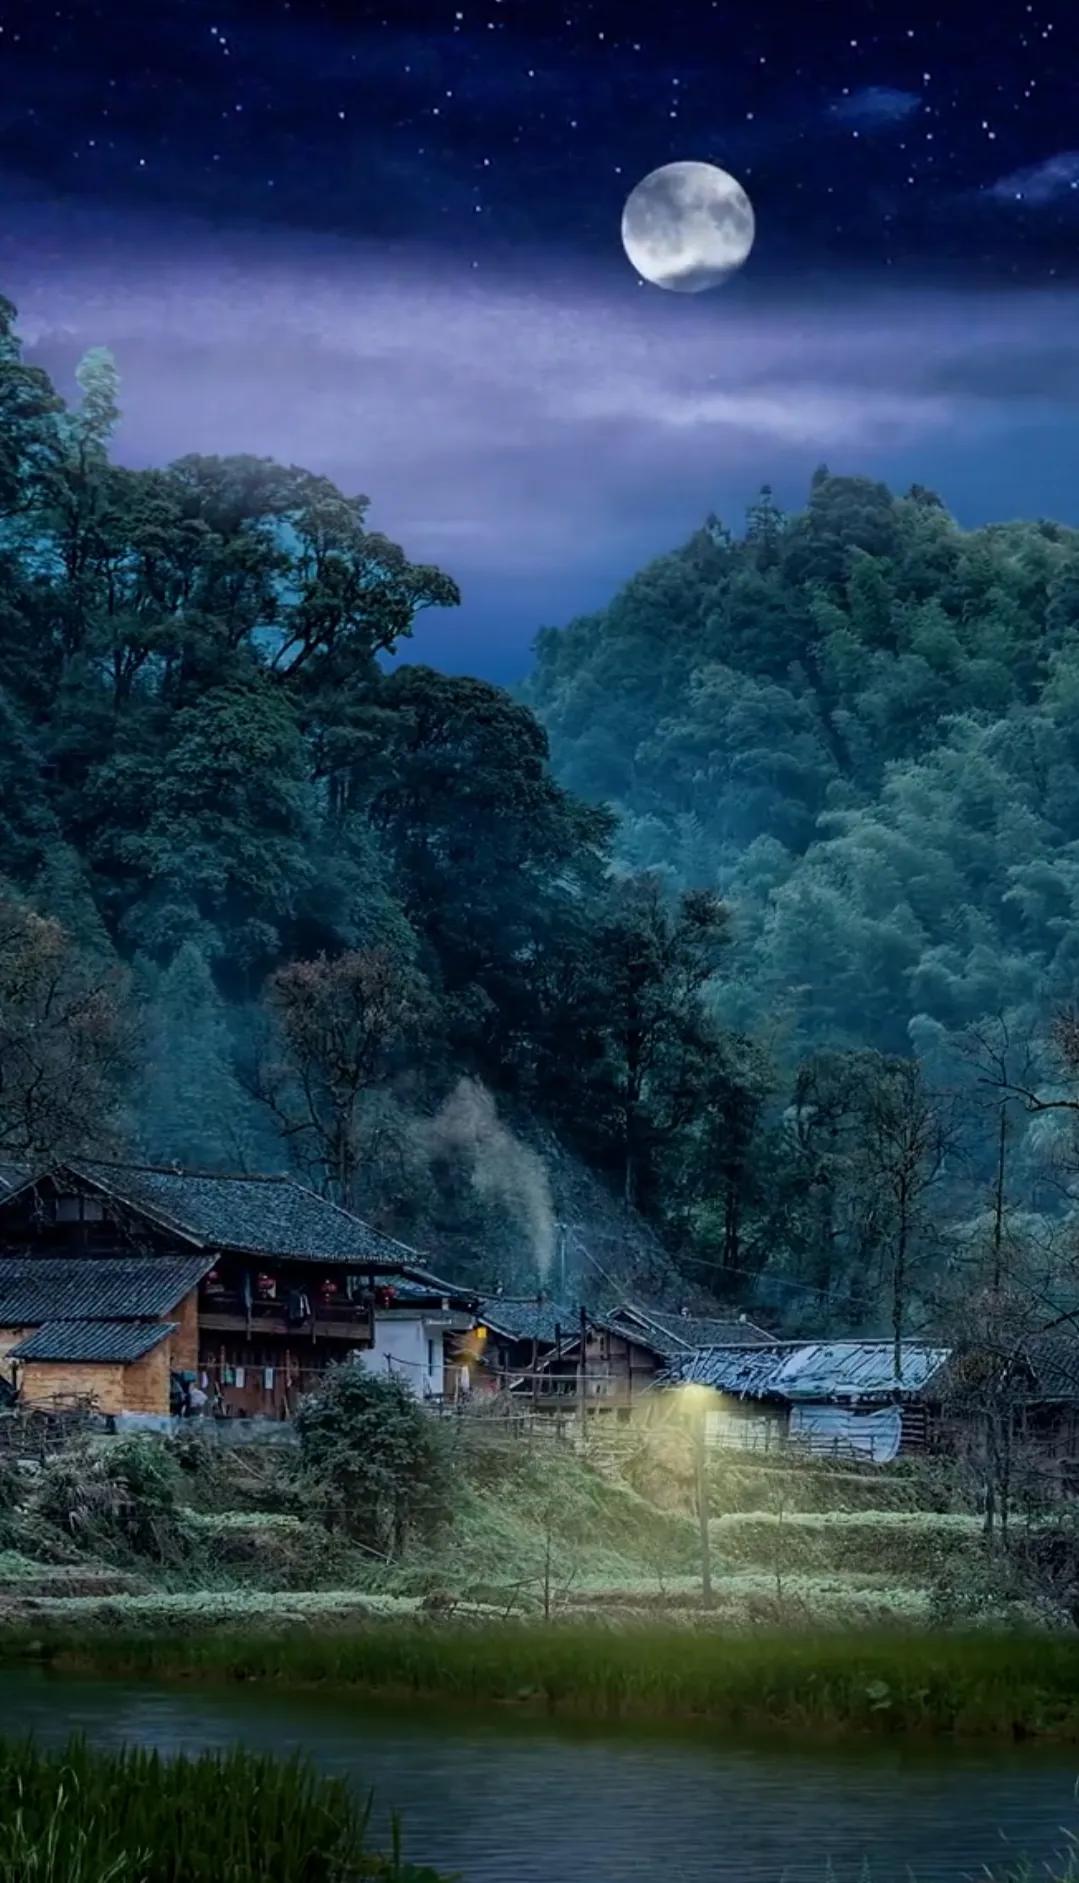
[[688, 226]]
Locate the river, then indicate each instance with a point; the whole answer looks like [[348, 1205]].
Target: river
[[500, 1798]]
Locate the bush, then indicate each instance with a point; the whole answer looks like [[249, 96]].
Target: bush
[[116, 1500], [377, 1460]]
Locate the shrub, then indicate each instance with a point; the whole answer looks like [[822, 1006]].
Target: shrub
[[376, 1458], [116, 1499]]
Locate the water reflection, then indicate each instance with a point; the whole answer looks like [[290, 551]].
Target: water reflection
[[500, 1799]]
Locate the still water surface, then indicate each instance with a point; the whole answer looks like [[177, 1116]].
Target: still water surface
[[509, 1801]]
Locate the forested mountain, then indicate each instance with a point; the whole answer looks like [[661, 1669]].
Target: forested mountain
[[861, 724], [264, 902], [807, 847]]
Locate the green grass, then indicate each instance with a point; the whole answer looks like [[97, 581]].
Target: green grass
[[906, 1544], [1007, 1687], [82, 1816]]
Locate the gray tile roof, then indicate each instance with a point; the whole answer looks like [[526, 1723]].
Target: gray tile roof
[[252, 1215], [682, 1333], [12, 1176], [530, 1319], [809, 1370], [1054, 1366], [41, 1288], [102, 1341]]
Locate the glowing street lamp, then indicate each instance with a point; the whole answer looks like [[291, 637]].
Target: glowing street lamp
[[697, 1400]]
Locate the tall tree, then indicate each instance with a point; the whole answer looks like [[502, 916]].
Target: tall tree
[[63, 1044], [340, 1029]]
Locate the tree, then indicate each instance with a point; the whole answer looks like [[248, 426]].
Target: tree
[[375, 1457], [29, 408], [190, 1106], [653, 963], [62, 1041], [912, 1133], [340, 1030]]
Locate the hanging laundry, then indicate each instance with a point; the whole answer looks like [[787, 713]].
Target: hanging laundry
[[297, 1307]]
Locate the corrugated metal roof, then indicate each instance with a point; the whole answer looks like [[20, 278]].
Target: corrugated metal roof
[[101, 1341], [103, 1288], [749, 1372], [800, 1370]]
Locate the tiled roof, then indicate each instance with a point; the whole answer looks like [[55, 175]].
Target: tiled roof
[[106, 1288], [803, 1370], [682, 1333], [253, 1215], [102, 1341], [12, 1176], [532, 1319], [1054, 1365]]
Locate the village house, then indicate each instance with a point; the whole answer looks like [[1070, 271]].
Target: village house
[[126, 1285], [827, 1397], [557, 1356]]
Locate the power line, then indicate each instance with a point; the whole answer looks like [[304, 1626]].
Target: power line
[[729, 1268]]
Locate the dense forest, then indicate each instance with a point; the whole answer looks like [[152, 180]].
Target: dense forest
[[767, 942]]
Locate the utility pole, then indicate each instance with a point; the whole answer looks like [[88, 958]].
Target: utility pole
[[998, 1212], [700, 1455]]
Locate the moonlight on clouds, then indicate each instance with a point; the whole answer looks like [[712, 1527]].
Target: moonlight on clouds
[[687, 227]]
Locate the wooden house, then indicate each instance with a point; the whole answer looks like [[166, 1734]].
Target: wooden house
[[555, 1354], [106, 1330], [279, 1284], [512, 1341]]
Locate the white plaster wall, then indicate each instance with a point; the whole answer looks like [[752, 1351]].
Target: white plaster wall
[[400, 1347]]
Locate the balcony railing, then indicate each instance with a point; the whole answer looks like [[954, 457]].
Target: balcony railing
[[229, 1313]]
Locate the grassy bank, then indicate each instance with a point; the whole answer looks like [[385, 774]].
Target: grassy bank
[[1005, 1687], [82, 1816]]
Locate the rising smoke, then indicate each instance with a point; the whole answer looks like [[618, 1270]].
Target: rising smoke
[[500, 1166]]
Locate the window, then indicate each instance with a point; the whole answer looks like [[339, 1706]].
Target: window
[[431, 1357], [79, 1209]]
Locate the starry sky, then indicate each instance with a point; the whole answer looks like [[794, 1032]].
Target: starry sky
[[383, 241]]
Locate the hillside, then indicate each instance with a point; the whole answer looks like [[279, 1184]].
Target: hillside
[[711, 990], [859, 722]]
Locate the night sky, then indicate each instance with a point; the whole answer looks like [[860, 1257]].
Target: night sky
[[384, 242]]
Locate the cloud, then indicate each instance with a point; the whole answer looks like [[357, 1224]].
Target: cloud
[[538, 434], [876, 105], [1041, 183]]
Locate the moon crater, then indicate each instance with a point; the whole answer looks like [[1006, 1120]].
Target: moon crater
[[688, 226]]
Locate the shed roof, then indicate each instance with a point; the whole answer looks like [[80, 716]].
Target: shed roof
[[252, 1215], [801, 1370], [535, 1318], [684, 1333], [101, 1341], [35, 1289]]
